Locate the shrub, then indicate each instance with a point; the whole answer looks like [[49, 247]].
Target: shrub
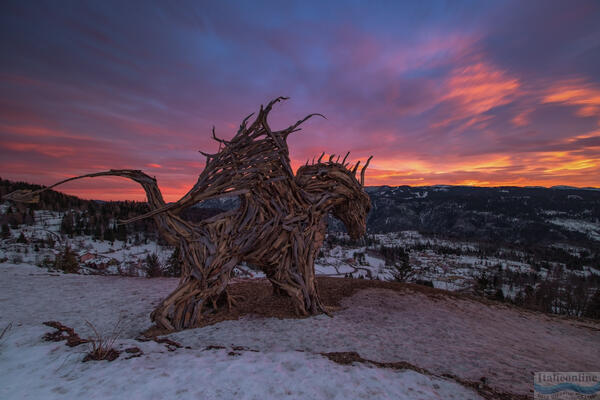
[[152, 266], [424, 282], [66, 261], [402, 271]]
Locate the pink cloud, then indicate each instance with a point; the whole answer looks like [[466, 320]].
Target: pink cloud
[[576, 92], [475, 89]]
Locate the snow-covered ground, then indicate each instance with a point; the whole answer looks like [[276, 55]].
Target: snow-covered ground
[[445, 271], [592, 230], [34, 369], [276, 358]]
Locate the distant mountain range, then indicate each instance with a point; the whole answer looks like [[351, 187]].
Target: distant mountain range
[[512, 215], [524, 215]]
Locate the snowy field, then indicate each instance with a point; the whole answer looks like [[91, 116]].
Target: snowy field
[[276, 358], [445, 271]]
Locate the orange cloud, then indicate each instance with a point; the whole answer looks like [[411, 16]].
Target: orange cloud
[[577, 93], [540, 168], [522, 119], [476, 89], [36, 131], [45, 149]]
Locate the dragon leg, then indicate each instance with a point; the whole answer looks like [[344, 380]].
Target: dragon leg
[[295, 276], [201, 290]]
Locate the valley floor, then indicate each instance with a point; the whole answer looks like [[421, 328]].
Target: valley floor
[[449, 341]]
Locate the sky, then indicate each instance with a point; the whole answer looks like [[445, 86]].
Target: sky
[[486, 93]]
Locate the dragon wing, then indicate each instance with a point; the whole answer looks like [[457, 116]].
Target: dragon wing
[[255, 154]]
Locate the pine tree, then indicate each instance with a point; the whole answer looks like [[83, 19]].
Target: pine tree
[[402, 271], [29, 219], [5, 231], [97, 231], [152, 266], [22, 239], [66, 225], [121, 233], [109, 235], [66, 261], [174, 264], [593, 307]]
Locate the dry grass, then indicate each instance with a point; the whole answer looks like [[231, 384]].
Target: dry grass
[[101, 347], [4, 332]]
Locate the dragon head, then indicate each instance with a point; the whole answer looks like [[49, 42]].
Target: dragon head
[[337, 190], [353, 213]]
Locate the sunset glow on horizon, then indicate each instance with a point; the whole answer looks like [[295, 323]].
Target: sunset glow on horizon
[[453, 93]]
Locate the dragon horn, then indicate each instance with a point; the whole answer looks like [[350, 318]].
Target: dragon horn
[[362, 172], [346, 156]]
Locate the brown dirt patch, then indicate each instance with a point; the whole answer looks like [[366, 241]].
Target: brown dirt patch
[[256, 297]]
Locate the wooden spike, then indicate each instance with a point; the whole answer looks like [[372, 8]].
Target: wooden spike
[[346, 156], [214, 135], [355, 167], [245, 121], [362, 172], [293, 127], [320, 157], [331, 157], [243, 125]]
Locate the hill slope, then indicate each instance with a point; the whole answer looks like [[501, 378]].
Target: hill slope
[[424, 343]]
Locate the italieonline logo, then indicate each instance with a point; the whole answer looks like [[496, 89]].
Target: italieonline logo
[[566, 385]]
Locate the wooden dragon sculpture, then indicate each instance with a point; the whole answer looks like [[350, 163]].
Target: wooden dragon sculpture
[[279, 226]]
